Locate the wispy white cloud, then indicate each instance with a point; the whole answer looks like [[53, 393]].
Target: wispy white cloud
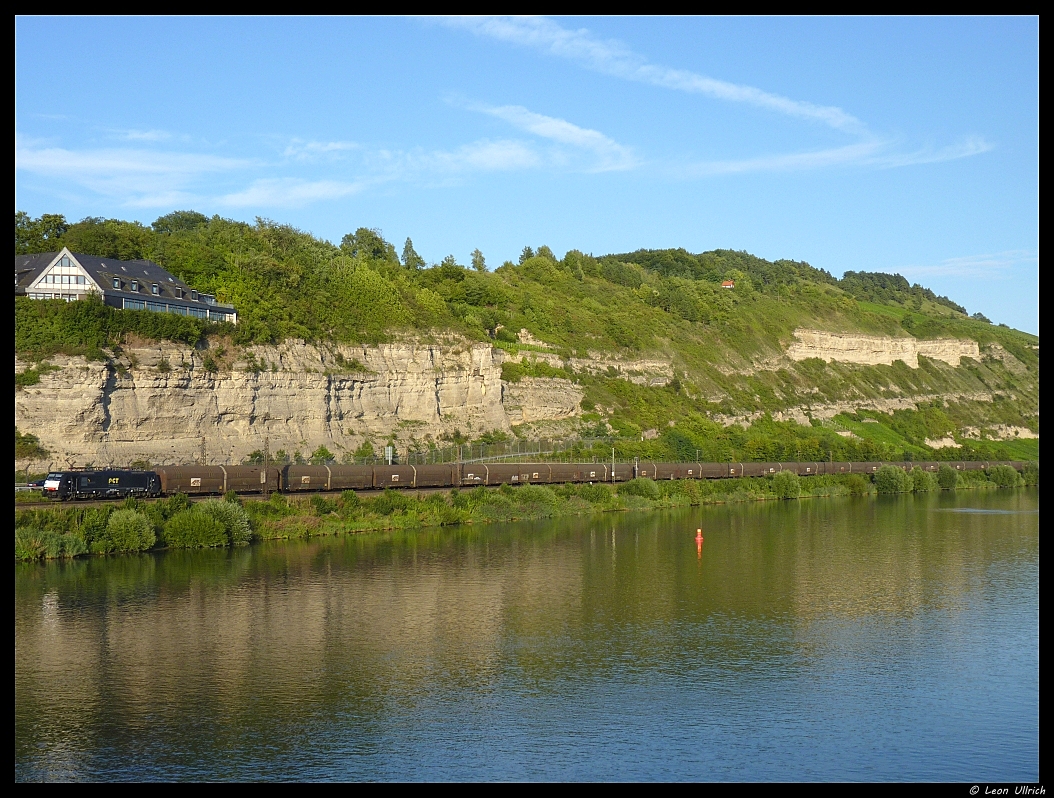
[[289, 192], [787, 162], [503, 155], [869, 152], [138, 176], [146, 135], [305, 150], [990, 264], [964, 148], [609, 153], [615, 58]]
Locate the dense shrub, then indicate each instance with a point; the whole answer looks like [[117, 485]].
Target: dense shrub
[[29, 543], [641, 486], [231, 516], [536, 500], [923, 480], [33, 544], [1030, 474], [93, 525], [689, 489], [786, 485], [194, 529], [596, 493], [857, 485], [947, 477], [126, 530], [389, 502], [890, 479], [44, 327], [323, 506], [1004, 476]]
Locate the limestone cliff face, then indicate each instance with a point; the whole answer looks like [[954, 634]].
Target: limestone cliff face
[[159, 401], [875, 350], [541, 399]]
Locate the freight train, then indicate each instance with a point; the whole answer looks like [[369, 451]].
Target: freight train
[[218, 480]]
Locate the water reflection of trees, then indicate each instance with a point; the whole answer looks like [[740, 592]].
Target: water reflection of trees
[[248, 641]]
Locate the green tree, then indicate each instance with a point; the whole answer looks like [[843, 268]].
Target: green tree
[[365, 450], [1004, 476], [110, 238], [411, 260], [177, 221], [322, 456], [890, 479], [923, 480], [27, 447], [786, 485], [526, 255], [43, 234], [194, 529], [368, 243], [545, 252], [478, 262], [126, 530], [947, 477]]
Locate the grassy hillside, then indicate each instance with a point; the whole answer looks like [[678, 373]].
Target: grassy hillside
[[666, 304]]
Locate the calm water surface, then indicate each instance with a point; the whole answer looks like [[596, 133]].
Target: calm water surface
[[888, 639]]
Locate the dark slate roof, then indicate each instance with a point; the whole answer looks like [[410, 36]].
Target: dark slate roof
[[146, 272], [27, 267]]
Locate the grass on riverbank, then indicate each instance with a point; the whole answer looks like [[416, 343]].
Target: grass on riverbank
[[72, 531]]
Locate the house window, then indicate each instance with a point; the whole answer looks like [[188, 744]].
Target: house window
[[154, 289], [116, 282], [135, 285], [179, 292], [194, 296]]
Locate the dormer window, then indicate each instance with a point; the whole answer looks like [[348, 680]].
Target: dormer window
[[135, 285], [116, 282], [194, 296], [154, 289], [178, 291]]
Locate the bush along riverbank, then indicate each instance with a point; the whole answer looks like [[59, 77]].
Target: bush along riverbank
[[72, 531]]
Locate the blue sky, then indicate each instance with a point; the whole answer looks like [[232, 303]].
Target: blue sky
[[898, 145]]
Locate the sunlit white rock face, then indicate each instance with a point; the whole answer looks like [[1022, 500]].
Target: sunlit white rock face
[[876, 350], [157, 401], [160, 401]]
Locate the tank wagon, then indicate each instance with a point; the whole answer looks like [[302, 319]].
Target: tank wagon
[[292, 479]]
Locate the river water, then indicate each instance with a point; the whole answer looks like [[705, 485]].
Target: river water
[[894, 638]]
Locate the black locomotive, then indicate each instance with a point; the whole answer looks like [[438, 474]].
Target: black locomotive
[[108, 484]]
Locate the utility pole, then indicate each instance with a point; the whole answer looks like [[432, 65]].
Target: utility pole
[[204, 452], [266, 463]]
